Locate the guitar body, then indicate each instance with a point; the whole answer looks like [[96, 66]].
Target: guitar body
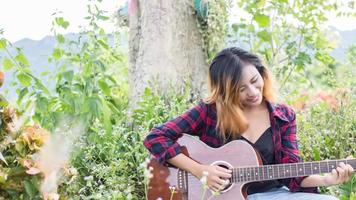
[[172, 183]]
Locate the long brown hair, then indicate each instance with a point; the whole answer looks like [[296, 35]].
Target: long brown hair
[[224, 76]]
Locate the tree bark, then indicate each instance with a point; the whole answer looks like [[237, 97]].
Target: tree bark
[[165, 47]]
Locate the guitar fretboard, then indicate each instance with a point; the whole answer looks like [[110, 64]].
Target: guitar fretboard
[[281, 171]]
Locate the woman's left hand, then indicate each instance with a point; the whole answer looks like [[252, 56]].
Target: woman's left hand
[[339, 175]]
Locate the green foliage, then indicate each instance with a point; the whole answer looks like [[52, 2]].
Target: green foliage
[[327, 130], [110, 164], [85, 83], [91, 85], [214, 28], [351, 54], [289, 35]]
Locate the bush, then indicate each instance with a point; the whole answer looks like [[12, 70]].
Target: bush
[[327, 130], [110, 165]]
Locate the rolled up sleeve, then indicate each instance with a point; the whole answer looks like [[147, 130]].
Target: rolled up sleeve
[[162, 140]]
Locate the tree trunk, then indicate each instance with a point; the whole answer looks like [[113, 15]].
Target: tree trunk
[[165, 48]]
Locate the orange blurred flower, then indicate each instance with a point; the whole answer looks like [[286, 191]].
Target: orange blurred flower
[[34, 136]]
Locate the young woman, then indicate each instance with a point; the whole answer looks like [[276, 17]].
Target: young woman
[[241, 106]]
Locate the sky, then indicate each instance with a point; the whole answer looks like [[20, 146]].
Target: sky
[[32, 18]]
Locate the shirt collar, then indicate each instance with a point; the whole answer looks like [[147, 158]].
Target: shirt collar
[[277, 111]]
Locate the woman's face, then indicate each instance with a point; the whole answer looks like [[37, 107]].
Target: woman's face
[[250, 87]]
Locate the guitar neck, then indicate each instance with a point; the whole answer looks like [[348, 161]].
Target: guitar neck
[[281, 171]]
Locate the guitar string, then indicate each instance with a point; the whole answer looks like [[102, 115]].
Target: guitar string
[[294, 166]]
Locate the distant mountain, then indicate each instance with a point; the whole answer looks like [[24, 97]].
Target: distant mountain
[[346, 39]]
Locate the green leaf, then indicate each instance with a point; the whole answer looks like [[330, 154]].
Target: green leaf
[[235, 27], [264, 35], [102, 17], [8, 64], [22, 94], [302, 59], [316, 152], [103, 44], [42, 104], [24, 79], [105, 87], [60, 38], [57, 53], [283, 1], [261, 19], [45, 73], [3, 44], [30, 189], [21, 58], [68, 75], [61, 22], [147, 92], [107, 117], [93, 105], [40, 86]]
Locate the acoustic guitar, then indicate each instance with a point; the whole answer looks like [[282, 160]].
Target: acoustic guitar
[[170, 183]]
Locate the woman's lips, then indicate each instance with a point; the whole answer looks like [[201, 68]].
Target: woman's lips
[[254, 99]]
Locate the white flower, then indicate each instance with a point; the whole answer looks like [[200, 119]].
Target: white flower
[[204, 178]]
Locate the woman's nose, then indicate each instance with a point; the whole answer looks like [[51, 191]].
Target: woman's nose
[[252, 92]]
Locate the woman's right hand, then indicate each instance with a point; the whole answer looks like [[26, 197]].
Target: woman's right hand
[[215, 177]]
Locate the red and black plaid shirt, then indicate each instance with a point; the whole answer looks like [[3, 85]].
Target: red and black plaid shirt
[[200, 120]]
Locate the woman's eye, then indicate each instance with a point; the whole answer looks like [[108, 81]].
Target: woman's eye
[[254, 81]]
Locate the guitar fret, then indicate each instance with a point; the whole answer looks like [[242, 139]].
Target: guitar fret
[[293, 171], [288, 171], [300, 171], [315, 168], [258, 175], [306, 168], [269, 172], [281, 169], [327, 163], [248, 174], [251, 173], [244, 174], [275, 171], [324, 167], [237, 175], [333, 165], [265, 172]]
